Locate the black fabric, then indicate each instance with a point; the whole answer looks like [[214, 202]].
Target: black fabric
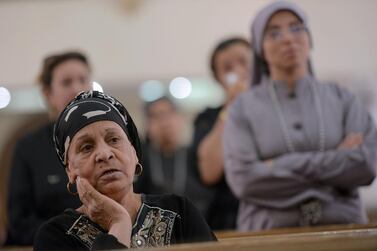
[[222, 211], [170, 171], [107, 242], [37, 179], [189, 226]]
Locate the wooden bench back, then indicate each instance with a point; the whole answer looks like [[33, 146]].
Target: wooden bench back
[[329, 238]]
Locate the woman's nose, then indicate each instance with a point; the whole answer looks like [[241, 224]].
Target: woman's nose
[[288, 37], [103, 153], [241, 71]]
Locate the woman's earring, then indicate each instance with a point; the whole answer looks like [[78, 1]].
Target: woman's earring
[[139, 169], [69, 185]]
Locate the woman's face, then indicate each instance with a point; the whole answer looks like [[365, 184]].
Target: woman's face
[[286, 42], [164, 124], [102, 153], [235, 59], [68, 79]]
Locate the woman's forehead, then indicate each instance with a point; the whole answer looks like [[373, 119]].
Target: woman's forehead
[[232, 50], [100, 127], [281, 16]]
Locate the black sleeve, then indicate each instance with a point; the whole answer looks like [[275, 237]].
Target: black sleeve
[[53, 237], [23, 220], [195, 228]]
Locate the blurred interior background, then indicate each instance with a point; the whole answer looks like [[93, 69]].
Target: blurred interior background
[[138, 47]]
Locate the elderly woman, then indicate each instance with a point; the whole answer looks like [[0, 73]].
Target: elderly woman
[[296, 150], [97, 142]]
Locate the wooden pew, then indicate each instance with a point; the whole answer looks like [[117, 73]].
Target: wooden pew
[[327, 238], [293, 243], [222, 235], [334, 238]]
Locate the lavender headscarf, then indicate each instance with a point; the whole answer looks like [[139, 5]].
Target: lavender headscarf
[[257, 31]]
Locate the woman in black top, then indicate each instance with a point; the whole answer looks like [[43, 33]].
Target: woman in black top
[[35, 177], [98, 144], [230, 65]]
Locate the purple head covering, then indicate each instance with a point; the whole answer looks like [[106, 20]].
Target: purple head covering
[[257, 31]]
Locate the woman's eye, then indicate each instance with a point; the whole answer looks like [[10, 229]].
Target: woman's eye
[[84, 81], [85, 148], [114, 140], [66, 82], [274, 34], [297, 28]]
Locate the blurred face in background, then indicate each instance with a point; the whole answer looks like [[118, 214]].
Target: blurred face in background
[[68, 79], [163, 125], [286, 44], [233, 60]]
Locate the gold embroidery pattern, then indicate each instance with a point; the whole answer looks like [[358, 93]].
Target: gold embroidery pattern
[[156, 228], [84, 230]]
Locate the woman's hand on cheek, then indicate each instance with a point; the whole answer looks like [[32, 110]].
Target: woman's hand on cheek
[[106, 212]]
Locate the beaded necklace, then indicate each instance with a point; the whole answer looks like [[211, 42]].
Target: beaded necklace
[[283, 122]]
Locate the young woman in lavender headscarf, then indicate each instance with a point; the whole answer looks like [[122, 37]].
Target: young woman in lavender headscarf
[[295, 150]]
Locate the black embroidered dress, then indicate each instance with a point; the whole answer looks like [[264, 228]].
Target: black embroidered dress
[[161, 221]]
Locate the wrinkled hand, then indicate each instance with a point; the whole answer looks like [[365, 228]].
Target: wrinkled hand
[[106, 212], [351, 141]]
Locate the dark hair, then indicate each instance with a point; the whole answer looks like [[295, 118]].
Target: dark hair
[[148, 105], [52, 61], [222, 46]]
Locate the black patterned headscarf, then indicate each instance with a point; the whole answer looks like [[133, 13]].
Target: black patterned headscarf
[[86, 108]]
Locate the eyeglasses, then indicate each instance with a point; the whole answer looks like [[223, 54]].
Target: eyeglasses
[[277, 34]]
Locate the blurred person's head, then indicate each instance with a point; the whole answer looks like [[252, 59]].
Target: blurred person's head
[[281, 40], [63, 76], [231, 62], [163, 124]]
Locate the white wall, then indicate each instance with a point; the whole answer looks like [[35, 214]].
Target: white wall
[[134, 40]]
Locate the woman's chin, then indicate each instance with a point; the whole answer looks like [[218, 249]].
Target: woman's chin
[[112, 188]]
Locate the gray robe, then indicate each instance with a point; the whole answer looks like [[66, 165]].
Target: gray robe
[[272, 182]]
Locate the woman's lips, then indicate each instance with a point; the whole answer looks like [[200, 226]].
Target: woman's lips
[[109, 173], [290, 52]]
